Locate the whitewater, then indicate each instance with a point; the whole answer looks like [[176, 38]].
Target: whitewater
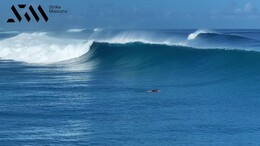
[[41, 47]]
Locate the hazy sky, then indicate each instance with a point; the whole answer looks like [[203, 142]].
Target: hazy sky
[[140, 14]]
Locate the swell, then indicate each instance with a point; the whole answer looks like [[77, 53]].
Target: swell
[[213, 39], [156, 58]]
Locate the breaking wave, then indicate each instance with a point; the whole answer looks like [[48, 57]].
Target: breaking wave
[[194, 35], [40, 48], [76, 30]]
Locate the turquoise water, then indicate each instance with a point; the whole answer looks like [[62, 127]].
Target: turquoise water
[[209, 88]]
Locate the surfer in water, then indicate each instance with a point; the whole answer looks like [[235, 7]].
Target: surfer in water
[[153, 91]]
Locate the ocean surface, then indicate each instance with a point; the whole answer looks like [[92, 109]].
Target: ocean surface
[[91, 87]]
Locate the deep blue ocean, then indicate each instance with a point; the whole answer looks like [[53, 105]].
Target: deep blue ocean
[[92, 87]]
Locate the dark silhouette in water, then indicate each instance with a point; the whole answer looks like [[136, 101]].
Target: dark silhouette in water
[[154, 91]]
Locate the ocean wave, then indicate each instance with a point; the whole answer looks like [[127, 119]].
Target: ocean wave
[[144, 37], [141, 56], [210, 39], [194, 35], [198, 39], [9, 32], [97, 29], [76, 30], [41, 48]]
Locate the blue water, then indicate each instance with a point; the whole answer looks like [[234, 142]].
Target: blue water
[[209, 88]]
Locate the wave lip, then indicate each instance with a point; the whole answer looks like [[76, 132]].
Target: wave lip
[[97, 29], [193, 36], [76, 30], [209, 39], [9, 32]]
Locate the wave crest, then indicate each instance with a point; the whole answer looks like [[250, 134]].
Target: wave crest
[[76, 30], [193, 36]]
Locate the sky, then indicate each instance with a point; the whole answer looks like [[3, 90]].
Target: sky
[[137, 14]]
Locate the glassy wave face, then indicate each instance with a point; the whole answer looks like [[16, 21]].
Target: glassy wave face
[[130, 87]]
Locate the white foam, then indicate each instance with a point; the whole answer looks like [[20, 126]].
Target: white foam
[[97, 29], [193, 36], [40, 48], [9, 32], [127, 37], [76, 30]]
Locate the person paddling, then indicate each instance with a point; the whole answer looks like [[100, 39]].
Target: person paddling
[[154, 91]]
